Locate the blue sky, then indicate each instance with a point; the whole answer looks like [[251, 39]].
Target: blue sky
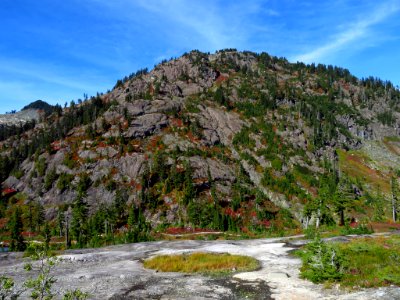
[[58, 50]]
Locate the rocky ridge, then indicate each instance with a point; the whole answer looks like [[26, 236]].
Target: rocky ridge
[[222, 114]]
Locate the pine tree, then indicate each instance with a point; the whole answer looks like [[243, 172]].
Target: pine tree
[[342, 199], [379, 211], [47, 235], [38, 216], [79, 221], [60, 222], [16, 227], [395, 190], [188, 188]]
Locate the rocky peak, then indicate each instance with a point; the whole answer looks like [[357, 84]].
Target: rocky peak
[[235, 139]]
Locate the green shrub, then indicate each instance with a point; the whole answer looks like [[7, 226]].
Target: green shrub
[[247, 156], [64, 181], [69, 161], [243, 138], [276, 164], [41, 166], [321, 262], [18, 173], [311, 232], [50, 178], [361, 229], [386, 118]]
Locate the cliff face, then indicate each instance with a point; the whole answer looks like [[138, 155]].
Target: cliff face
[[225, 141]]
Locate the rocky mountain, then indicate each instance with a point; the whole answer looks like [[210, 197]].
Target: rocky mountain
[[226, 141], [41, 106], [20, 117], [15, 123]]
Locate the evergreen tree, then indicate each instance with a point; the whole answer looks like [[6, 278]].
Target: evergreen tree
[[60, 222], [30, 214], [219, 96], [395, 190], [379, 209], [79, 221], [50, 178], [16, 227], [38, 216], [83, 184], [188, 188], [342, 199], [119, 205], [47, 235]]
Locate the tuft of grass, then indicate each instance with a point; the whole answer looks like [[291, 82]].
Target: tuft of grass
[[202, 262]]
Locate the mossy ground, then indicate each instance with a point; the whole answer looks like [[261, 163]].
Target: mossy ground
[[372, 262]]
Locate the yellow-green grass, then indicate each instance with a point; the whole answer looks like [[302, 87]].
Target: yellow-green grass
[[371, 262], [393, 144], [202, 262], [355, 164]]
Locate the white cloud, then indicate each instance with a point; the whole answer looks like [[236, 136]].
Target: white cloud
[[204, 20], [209, 25], [353, 34], [47, 74]]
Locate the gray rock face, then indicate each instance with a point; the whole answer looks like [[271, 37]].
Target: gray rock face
[[11, 182], [141, 107], [183, 67], [218, 170], [117, 272], [146, 125], [174, 141], [101, 169], [107, 152], [19, 117], [55, 197], [56, 160], [137, 108], [131, 165], [219, 126], [87, 154], [98, 196]]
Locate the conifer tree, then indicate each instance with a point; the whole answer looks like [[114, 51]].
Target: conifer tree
[[79, 221], [395, 190], [342, 198], [16, 227], [188, 187], [38, 216], [379, 210], [46, 235]]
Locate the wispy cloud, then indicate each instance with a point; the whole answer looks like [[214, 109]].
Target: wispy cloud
[[201, 19], [60, 51], [353, 34], [40, 73], [207, 25]]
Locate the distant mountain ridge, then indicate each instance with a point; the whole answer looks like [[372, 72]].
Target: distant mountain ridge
[[20, 117], [40, 105], [31, 112]]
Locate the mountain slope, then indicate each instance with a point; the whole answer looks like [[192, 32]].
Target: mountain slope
[[226, 141]]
